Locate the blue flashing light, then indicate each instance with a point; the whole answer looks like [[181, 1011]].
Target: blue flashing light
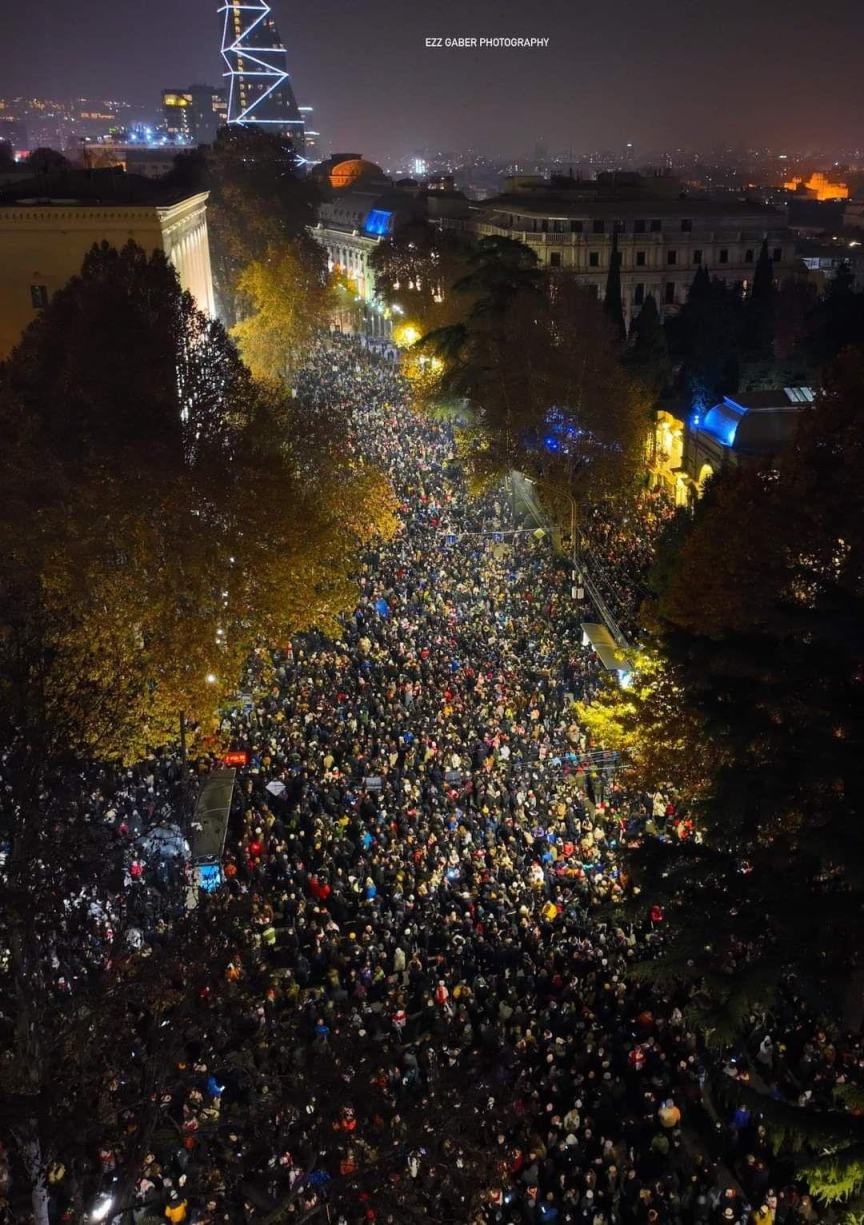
[[378, 223], [551, 443], [209, 877]]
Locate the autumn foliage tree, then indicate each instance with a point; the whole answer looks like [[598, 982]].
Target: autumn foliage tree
[[162, 515], [761, 623], [140, 561], [284, 301], [257, 201], [537, 359]]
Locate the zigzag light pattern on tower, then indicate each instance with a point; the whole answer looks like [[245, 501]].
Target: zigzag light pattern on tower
[[256, 61]]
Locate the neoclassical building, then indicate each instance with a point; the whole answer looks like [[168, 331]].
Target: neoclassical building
[[663, 234], [44, 238], [360, 208]]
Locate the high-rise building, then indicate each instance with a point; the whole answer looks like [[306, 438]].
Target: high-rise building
[[259, 85], [313, 144], [194, 115]]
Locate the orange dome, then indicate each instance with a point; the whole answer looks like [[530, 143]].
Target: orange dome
[[345, 174]]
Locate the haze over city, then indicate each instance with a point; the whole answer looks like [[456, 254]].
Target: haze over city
[[432, 613], [657, 73]]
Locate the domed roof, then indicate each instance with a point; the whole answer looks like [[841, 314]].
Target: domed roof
[[346, 173]]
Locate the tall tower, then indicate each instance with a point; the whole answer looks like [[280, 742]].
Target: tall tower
[[259, 87]]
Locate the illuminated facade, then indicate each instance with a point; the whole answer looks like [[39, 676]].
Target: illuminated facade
[[42, 246], [818, 187], [665, 454], [259, 85]]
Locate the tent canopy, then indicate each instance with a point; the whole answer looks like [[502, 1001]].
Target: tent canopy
[[210, 822], [607, 649]]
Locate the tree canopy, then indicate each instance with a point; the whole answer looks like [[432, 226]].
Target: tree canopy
[[537, 359], [140, 561], [287, 296], [257, 201], [760, 624]]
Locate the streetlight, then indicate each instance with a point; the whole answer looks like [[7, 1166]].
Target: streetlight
[[406, 335]]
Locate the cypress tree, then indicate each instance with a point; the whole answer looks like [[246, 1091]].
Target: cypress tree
[[704, 339], [647, 355], [760, 308]]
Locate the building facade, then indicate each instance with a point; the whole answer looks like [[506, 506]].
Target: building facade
[[43, 244], [663, 236], [361, 208], [688, 447]]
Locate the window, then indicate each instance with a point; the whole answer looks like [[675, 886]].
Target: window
[[777, 254], [39, 296], [671, 257], [593, 259], [656, 226], [544, 225], [686, 225], [575, 227], [697, 257], [598, 225], [640, 259], [555, 259], [748, 256], [669, 295], [619, 227], [639, 295], [558, 226], [724, 255], [639, 226]]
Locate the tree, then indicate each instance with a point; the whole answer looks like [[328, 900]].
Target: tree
[[416, 271], [44, 162], [140, 565], [761, 624], [536, 359], [612, 301], [647, 720], [760, 308], [704, 337], [257, 201], [287, 297], [837, 320], [7, 157], [647, 355]]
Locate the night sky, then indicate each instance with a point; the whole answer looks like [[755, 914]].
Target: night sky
[[659, 73]]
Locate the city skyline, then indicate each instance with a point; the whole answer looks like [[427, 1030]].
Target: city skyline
[[657, 76]]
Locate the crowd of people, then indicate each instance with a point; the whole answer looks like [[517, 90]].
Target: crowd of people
[[419, 848], [618, 546]]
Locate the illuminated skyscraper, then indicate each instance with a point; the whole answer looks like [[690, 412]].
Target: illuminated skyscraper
[[257, 70]]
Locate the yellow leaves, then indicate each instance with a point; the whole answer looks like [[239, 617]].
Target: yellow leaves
[[287, 300], [649, 724]]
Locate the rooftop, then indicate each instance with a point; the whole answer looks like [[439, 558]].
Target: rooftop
[[757, 423], [91, 188], [562, 204]]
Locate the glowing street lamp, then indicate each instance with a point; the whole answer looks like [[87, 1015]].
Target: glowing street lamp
[[406, 335]]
